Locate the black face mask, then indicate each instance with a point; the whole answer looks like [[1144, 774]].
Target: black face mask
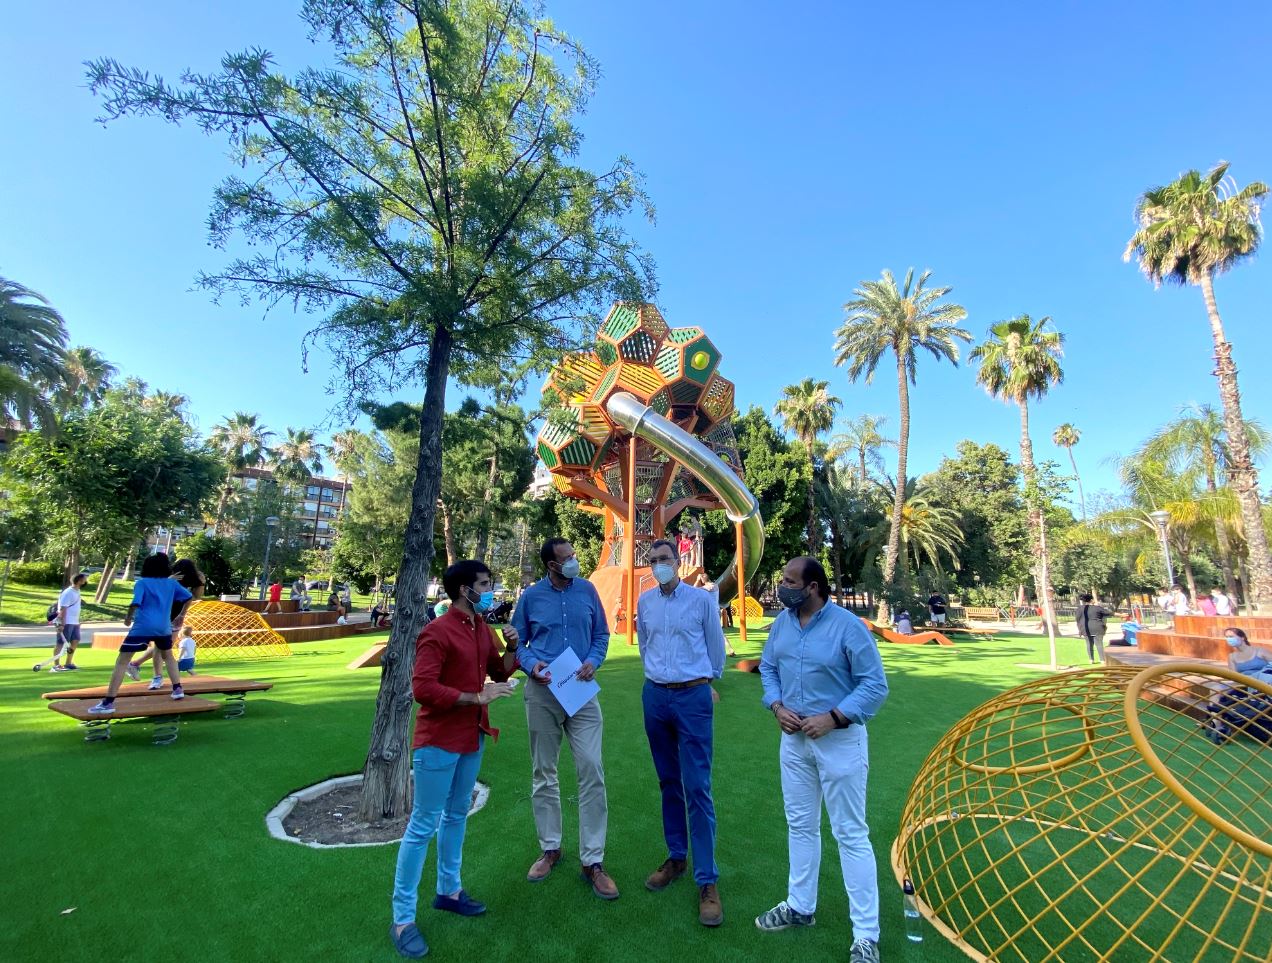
[[792, 598]]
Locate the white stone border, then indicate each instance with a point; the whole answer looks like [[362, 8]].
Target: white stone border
[[274, 818]]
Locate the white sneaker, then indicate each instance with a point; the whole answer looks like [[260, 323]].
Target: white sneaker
[[178, 693], [155, 683], [133, 672]]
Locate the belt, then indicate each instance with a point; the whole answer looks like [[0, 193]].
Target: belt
[[679, 685]]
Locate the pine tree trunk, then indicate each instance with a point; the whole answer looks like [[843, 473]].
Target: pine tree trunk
[[892, 555], [1042, 567], [385, 785], [1242, 476]]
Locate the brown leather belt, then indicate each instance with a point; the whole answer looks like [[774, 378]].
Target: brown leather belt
[[680, 685]]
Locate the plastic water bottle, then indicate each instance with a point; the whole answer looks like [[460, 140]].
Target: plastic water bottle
[[913, 921]]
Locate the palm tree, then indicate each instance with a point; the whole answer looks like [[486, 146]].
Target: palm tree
[[1019, 361], [807, 410], [1066, 436], [1196, 442], [863, 437], [167, 402], [883, 318], [242, 442], [32, 354], [1189, 231], [928, 531], [297, 457], [87, 378]]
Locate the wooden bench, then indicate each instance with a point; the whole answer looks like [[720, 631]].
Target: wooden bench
[[235, 690], [918, 638], [985, 613], [139, 707]]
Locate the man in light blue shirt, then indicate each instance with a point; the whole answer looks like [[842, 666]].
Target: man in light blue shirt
[[559, 611], [682, 648], [823, 681]]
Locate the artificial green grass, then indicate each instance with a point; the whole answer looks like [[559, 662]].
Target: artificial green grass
[[163, 852], [28, 604]]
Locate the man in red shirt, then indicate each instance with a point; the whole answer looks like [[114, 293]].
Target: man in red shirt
[[453, 656]]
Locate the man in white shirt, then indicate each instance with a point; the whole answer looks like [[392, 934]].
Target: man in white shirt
[[682, 649], [1179, 602], [1223, 604], [68, 621]]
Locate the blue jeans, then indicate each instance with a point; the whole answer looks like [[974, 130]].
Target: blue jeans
[[443, 793], [678, 723]]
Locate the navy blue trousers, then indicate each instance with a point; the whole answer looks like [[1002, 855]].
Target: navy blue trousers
[[678, 723]]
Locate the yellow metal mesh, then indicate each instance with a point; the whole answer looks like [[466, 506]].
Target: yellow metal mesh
[[226, 631], [754, 609], [1086, 816]]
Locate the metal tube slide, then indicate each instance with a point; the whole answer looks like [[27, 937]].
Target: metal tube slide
[[739, 504]]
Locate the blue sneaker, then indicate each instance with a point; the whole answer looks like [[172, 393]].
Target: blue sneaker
[[102, 708], [463, 904]]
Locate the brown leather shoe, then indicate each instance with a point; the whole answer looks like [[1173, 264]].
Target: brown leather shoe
[[543, 865], [710, 912], [602, 885], [666, 874]]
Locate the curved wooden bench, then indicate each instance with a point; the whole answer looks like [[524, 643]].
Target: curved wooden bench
[[235, 689], [918, 638], [147, 707]]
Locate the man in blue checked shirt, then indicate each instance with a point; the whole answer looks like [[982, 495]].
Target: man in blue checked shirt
[[682, 648], [823, 681], [563, 610]]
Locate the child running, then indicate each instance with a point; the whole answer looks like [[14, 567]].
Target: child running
[[188, 575], [150, 621]]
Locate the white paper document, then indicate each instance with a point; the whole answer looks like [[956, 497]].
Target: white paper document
[[571, 691]]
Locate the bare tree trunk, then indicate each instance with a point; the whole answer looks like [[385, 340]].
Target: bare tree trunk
[[385, 786], [483, 524], [448, 534], [1242, 476], [892, 555], [128, 565], [812, 500], [1185, 559], [224, 500], [1078, 479], [1042, 567], [1222, 541], [107, 579]]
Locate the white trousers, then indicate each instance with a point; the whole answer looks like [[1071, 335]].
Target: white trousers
[[832, 768]]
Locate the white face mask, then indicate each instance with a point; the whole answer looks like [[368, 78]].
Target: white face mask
[[664, 572], [570, 568]]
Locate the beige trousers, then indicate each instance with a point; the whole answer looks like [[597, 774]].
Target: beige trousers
[[547, 722]]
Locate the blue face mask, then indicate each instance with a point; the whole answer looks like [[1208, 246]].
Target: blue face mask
[[484, 603], [1233, 640], [664, 572], [570, 568]]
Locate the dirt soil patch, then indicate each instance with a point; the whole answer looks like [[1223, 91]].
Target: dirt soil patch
[[332, 820]]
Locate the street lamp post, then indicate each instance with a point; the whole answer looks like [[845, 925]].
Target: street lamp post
[[271, 523], [1160, 518]]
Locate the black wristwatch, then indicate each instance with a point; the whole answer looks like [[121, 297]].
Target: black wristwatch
[[838, 716]]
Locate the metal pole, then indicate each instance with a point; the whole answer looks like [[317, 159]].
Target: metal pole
[[265, 574], [630, 603], [741, 584], [1170, 568]]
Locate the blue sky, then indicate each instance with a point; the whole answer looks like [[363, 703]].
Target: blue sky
[[791, 152]]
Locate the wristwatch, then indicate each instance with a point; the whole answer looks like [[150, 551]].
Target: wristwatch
[[841, 720]]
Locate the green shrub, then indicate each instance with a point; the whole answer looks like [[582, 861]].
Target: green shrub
[[36, 573]]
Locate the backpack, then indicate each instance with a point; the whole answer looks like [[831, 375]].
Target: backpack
[[50, 614]]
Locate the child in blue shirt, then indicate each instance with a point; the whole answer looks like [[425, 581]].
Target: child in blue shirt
[[149, 622]]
